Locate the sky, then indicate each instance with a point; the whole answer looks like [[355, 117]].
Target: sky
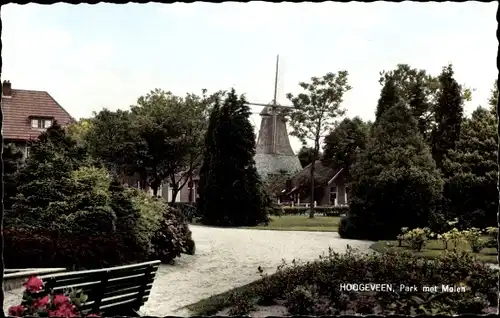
[[90, 57]]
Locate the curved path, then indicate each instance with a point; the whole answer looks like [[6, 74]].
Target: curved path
[[228, 258]]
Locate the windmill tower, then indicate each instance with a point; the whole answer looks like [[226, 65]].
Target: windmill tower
[[274, 153]]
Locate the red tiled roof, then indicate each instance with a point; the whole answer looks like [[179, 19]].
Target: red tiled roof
[[25, 103]]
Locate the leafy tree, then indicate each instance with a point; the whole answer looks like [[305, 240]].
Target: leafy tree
[[112, 140], [315, 111], [231, 192], [448, 115], [343, 142], [79, 130], [305, 155], [12, 165], [420, 91], [395, 180], [171, 129], [471, 172]]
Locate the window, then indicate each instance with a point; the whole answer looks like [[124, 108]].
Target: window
[[41, 123]]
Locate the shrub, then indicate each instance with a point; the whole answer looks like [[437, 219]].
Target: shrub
[[327, 273], [347, 228], [454, 236], [473, 237], [492, 237], [188, 210], [241, 305], [173, 237], [301, 300], [417, 237]]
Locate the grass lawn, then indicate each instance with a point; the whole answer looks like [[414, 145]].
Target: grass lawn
[[434, 248], [301, 223]]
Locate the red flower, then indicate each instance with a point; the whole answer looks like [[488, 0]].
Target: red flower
[[66, 311], [16, 311], [34, 284], [41, 302], [60, 300]]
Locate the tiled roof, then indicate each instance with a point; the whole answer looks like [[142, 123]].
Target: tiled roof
[[322, 174], [25, 103]]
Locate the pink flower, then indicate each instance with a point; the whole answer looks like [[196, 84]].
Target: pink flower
[[33, 284], [93, 315], [16, 311], [41, 302], [60, 300]]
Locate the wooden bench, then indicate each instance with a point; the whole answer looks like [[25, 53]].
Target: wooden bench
[[112, 291]]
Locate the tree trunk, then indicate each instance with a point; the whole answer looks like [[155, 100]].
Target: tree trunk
[[175, 191], [311, 210]]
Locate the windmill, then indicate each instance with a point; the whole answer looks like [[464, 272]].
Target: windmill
[[274, 152]]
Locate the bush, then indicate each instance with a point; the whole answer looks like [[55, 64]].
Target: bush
[[172, 238], [473, 237], [187, 209], [314, 287], [347, 228], [39, 248], [492, 237], [417, 237]]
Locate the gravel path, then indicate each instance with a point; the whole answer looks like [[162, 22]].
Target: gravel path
[[228, 258]]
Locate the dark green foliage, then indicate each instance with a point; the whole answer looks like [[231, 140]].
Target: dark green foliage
[[12, 164], [471, 172], [228, 177], [342, 143], [172, 238], [313, 288], [305, 155], [389, 96], [395, 181], [448, 114]]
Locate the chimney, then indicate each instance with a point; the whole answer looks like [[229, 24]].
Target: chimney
[[6, 89]]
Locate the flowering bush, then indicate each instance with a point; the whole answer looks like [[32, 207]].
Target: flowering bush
[[473, 237], [401, 236], [455, 236], [418, 237], [39, 302], [493, 237]]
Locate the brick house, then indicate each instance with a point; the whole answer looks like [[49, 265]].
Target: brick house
[[27, 113], [331, 188]]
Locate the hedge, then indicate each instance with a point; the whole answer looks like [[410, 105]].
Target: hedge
[[326, 210]]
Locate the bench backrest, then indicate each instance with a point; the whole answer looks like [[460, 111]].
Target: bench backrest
[[116, 289]]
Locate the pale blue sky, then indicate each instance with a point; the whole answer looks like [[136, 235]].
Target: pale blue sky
[[93, 56]]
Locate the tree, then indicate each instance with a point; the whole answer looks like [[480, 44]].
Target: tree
[[12, 165], [471, 172], [231, 192], [448, 115], [46, 177], [420, 91], [315, 111], [305, 156], [389, 96], [112, 140], [171, 130], [395, 180], [493, 100], [343, 142]]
